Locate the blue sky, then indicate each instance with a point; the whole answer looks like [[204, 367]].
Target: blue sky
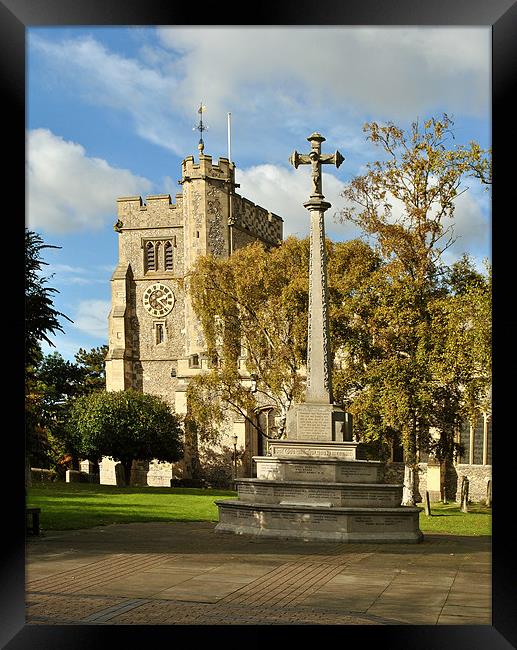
[[110, 113]]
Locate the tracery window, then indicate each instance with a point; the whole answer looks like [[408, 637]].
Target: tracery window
[[168, 256], [159, 255], [150, 257]]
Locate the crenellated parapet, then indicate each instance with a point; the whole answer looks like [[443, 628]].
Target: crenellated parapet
[[256, 221], [158, 211], [205, 169]]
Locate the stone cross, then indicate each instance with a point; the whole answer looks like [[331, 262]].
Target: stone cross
[[315, 158], [319, 371]]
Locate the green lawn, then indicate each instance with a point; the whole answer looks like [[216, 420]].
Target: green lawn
[[67, 506], [448, 518]]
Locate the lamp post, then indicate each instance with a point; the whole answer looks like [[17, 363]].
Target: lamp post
[[234, 457]]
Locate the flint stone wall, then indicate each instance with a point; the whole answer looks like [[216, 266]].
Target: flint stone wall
[[39, 475], [478, 476]]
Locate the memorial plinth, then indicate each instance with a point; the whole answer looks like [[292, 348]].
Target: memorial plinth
[[320, 523], [311, 486]]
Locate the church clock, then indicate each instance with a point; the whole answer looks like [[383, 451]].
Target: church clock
[[158, 299]]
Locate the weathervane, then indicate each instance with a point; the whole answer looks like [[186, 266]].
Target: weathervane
[[200, 127]]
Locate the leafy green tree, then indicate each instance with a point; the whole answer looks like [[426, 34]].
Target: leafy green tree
[[53, 384], [93, 367], [126, 425], [41, 319]]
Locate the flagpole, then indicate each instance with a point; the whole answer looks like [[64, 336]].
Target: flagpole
[[229, 137], [230, 189]]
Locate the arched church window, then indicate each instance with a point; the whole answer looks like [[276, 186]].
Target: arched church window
[[160, 334], [194, 361], [168, 256], [157, 254], [150, 257]]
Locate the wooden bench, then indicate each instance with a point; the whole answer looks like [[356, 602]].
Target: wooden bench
[[32, 523]]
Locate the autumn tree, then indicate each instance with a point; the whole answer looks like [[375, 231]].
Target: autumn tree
[[253, 311], [405, 203], [461, 361]]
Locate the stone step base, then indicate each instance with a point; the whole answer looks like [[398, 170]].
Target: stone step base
[[311, 449], [312, 492], [325, 470], [379, 525]]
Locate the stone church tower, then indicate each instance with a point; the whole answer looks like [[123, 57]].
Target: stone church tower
[[155, 341]]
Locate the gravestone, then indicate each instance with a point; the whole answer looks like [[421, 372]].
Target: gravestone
[[464, 495], [312, 486]]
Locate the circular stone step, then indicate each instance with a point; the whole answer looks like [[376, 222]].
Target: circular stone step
[[330, 470], [253, 490], [379, 525]]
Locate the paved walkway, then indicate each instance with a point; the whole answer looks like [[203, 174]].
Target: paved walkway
[[184, 573]]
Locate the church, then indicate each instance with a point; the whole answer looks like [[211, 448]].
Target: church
[[155, 340]]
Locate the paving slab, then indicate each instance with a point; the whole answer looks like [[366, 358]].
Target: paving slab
[[185, 573]]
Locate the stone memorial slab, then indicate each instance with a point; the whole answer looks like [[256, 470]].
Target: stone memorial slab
[[313, 422]]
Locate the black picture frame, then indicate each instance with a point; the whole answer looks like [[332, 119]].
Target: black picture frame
[[501, 15]]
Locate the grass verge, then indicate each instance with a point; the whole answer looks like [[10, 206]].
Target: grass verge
[[448, 518], [70, 506]]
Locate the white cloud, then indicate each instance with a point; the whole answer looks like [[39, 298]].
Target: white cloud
[[472, 224], [108, 79], [64, 344], [69, 191], [277, 81], [67, 274], [283, 191], [387, 70], [91, 317]]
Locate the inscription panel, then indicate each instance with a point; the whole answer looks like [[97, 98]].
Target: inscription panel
[[268, 471], [321, 523], [358, 473], [314, 423], [310, 471], [348, 454], [386, 523]]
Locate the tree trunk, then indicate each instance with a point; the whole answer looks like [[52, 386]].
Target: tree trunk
[[410, 469], [127, 465], [192, 449], [408, 492], [28, 477]]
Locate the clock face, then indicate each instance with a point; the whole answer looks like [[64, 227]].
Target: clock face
[[158, 299]]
